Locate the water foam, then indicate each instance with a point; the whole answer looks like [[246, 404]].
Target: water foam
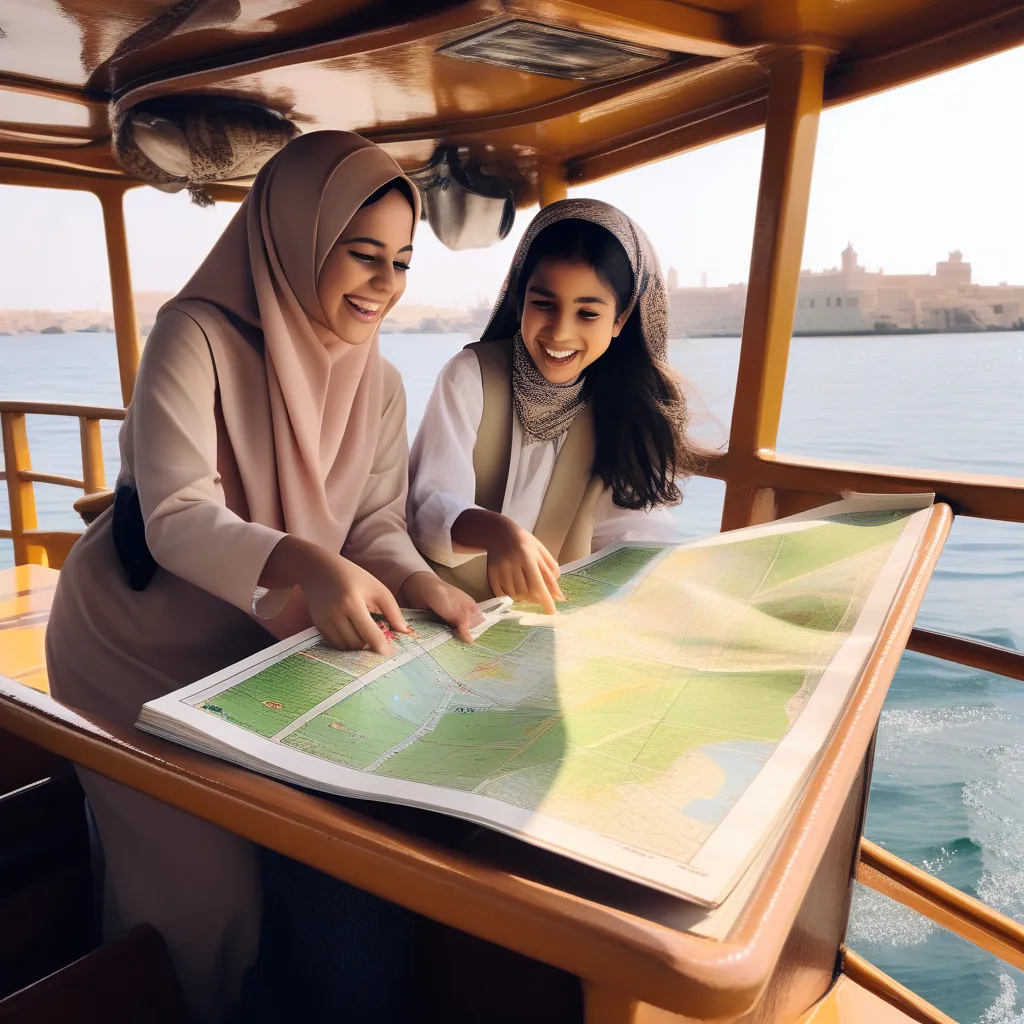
[[1005, 1009], [876, 920], [899, 727], [997, 806]]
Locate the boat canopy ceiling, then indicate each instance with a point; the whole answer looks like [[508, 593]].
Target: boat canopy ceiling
[[578, 89]]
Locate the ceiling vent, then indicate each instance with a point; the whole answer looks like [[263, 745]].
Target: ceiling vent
[[555, 52]]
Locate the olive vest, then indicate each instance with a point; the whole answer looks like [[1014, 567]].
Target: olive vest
[[565, 525]]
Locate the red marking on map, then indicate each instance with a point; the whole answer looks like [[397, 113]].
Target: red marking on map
[[273, 704]]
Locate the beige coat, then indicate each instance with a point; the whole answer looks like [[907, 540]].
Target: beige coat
[[250, 420]]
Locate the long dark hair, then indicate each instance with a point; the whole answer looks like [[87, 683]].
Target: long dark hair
[[640, 413]]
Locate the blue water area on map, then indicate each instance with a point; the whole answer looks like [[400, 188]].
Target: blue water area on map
[[741, 761]]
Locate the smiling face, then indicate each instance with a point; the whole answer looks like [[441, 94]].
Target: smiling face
[[363, 275], [569, 318]]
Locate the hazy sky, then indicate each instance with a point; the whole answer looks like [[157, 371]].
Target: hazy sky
[[906, 176]]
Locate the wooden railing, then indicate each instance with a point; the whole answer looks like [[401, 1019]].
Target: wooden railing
[[940, 902], [782, 485], [973, 653], [46, 547]]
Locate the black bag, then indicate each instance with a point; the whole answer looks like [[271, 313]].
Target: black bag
[[129, 532]]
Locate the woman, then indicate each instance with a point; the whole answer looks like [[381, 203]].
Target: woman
[[266, 434], [564, 429]]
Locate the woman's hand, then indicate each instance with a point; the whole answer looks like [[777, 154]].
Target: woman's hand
[[518, 565], [459, 610], [340, 594]]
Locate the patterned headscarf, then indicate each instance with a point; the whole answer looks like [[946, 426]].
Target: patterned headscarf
[[546, 410]]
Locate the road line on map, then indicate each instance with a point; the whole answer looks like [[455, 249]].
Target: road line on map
[[364, 680]]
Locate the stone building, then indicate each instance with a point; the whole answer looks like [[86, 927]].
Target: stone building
[[850, 299]]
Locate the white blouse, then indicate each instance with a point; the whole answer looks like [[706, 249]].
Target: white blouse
[[443, 483]]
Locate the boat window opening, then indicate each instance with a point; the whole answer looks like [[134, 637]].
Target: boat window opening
[[965, 601], [910, 370], [910, 245], [168, 237], [56, 338], [53, 259], [937, 399]]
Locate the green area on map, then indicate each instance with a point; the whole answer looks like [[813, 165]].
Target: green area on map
[[273, 698]]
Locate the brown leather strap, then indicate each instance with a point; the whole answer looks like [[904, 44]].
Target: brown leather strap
[[492, 453], [580, 538], [570, 480]]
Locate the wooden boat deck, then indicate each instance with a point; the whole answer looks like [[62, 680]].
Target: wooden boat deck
[[850, 1003], [26, 593]]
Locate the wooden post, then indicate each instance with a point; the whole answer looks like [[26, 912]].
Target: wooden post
[[551, 185], [602, 1006], [92, 455], [20, 493], [126, 328], [791, 131]]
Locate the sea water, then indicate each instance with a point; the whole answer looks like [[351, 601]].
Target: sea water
[[948, 785]]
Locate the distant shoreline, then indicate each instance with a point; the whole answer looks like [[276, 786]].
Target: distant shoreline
[[406, 332], [900, 332]]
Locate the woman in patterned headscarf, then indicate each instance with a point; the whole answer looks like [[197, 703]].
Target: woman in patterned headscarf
[[564, 429]]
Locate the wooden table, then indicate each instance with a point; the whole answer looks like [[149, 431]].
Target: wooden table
[[636, 957]]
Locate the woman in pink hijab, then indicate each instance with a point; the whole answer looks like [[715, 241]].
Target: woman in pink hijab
[[262, 489]]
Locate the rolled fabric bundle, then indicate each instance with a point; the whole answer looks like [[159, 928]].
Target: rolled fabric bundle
[[189, 142]]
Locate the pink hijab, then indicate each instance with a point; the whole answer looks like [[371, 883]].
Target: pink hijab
[[287, 383]]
